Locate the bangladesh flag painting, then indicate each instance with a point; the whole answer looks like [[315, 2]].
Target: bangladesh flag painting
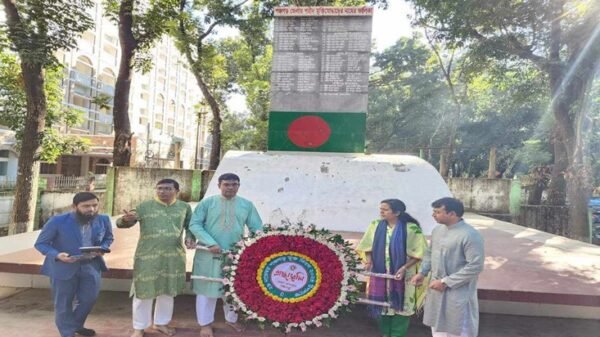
[[317, 132]]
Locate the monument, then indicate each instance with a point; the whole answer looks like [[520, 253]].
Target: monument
[[315, 170]]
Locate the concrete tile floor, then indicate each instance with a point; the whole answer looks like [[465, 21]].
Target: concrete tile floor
[[30, 313]]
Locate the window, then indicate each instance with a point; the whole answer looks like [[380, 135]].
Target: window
[[3, 168], [3, 153], [47, 168]]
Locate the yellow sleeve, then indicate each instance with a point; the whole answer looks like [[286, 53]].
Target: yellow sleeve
[[416, 244], [366, 243]]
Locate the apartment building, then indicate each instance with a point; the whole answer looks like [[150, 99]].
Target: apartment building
[[163, 105]]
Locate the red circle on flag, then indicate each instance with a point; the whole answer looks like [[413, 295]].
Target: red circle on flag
[[309, 131]]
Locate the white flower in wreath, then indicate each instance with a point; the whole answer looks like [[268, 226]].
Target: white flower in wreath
[[288, 329], [308, 323], [261, 319], [317, 323], [302, 327], [276, 324]]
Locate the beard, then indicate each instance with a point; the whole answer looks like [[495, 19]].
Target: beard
[[85, 217]]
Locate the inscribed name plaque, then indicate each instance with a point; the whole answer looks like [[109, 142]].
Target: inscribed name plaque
[[320, 70]]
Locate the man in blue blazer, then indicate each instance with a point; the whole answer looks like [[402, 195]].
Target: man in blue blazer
[[75, 276]]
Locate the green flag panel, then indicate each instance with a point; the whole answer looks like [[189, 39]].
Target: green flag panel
[[317, 131]]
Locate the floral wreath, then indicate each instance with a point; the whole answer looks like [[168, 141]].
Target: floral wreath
[[291, 277]]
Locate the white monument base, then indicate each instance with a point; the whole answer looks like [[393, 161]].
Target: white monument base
[[337, 191]]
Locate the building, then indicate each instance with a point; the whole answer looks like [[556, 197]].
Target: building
[[162, 111]]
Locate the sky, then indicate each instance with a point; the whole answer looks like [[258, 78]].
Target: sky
[[388, 26]]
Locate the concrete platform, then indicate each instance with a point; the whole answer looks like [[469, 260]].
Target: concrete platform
[[527, 272], [30, 313]]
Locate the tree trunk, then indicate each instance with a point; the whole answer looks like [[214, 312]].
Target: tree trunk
[[557, 188], [215, 150], [579, 193], [123, 135], [443, 164], [23, 211], [492, 163]]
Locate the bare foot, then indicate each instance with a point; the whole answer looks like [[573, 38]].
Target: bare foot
[[236, 326], [206, 331], [165, 329], [137, 333]]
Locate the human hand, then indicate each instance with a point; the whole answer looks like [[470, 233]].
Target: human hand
[[368, 265], [129, 216], [400, 273], [64, 257], [215, 249], [438, 285], [190, 244], [417, 280]]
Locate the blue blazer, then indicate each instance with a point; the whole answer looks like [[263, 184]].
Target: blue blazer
[[62, 233]]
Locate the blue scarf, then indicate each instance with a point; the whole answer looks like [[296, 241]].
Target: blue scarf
[[381, 289]]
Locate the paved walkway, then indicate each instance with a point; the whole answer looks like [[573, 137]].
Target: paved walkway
[[29, 313]]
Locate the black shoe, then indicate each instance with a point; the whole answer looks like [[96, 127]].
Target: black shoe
[[85, 332]]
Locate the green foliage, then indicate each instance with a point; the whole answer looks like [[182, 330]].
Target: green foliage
[[45, 27], [237, 134], [406, 93], [251, 67], [592, 125], [150, 21], [410, 108], [13, 108], [506, 102]]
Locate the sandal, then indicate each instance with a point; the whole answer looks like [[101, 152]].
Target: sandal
[[165, 330], [236, 326]]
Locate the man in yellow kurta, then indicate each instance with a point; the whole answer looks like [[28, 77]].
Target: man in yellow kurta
[[218, 223], [159, 262]]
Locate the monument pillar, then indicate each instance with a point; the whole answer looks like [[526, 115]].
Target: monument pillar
[[319, 79]]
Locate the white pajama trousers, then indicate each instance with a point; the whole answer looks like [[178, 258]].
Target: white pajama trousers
[[205, 310], [445, 334], [142, 311]]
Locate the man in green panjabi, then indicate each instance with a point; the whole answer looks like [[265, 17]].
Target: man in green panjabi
[[159, 262], [218, 223]]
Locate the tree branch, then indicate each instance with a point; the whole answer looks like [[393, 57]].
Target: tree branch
[[13, 20], [210, 28]]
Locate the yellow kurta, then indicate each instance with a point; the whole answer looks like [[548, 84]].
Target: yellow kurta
[[416, 245]]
